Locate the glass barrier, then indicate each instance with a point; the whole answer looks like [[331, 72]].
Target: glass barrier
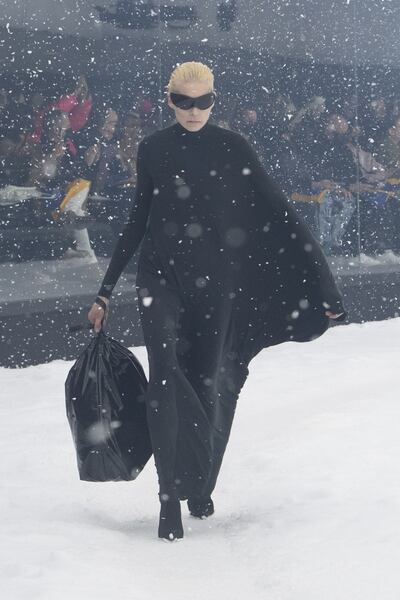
[[314, 85], [377, 127], [79, 91]]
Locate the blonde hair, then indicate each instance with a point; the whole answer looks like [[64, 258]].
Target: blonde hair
[[189, 71]]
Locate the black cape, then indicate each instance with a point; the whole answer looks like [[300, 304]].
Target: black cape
[[214, 217], [226, 268]]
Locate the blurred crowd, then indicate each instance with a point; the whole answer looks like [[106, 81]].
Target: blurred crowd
[[45, 143], [49, 144], [326, 155]]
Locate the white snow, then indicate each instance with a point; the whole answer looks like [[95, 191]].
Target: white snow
[[307, 502]]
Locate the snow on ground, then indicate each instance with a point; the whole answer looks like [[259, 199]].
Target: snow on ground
[[307, 503]]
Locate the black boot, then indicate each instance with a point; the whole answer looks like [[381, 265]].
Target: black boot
[[170, 526], [201, 507]]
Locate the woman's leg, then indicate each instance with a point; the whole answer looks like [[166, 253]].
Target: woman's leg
[[195, 378], [217, 374], [178, 423]]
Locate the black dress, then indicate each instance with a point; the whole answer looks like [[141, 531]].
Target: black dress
[[226, 268]]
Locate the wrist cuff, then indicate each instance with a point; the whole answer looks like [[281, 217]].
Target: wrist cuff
[[101, 303]]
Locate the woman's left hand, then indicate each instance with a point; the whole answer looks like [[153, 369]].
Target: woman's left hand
[[332, 315]]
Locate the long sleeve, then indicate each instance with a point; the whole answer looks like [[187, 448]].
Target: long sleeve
[[134, 229], [289, 222]]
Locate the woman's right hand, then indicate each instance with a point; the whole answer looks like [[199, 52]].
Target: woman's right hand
[[96, 314]]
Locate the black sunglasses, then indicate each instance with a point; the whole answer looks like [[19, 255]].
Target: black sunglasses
[[187, 102]]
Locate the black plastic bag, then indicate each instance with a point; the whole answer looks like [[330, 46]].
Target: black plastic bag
[[105, 404]]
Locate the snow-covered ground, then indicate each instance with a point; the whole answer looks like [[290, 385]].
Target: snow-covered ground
[[307, 503]]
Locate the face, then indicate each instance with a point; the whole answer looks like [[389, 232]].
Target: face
[[318, 108], [194, 118], [379, 106], [131, 126], [338, 124], [250, 115]]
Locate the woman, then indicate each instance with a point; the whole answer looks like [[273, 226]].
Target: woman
[[128, 141], [212, 277]]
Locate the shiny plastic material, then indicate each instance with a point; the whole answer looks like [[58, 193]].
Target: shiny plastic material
[[105, 405]]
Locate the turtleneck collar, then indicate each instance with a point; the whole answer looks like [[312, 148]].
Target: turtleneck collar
[[186, 134]]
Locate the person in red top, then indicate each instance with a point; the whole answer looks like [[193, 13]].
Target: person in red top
[[77, 105]]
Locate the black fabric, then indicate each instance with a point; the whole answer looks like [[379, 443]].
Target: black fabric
[[226, 268]]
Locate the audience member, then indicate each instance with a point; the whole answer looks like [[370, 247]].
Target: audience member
[[333, 171], [326, 158]]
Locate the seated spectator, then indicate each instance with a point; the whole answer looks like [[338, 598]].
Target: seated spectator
[[307, 128], [279, 156], [130, 135], [18, 109], [53, 163], [14, 163], [375, 120], [266, 129], [306, 131], [245, 119], [389, 191], [100, 151], [77, 105], [333, 171], [54, 166], [389, 156], [109, 158], [378, 204]]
